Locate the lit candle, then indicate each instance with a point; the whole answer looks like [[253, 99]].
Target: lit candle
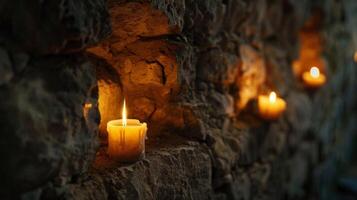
[[313, 78], [126, 138], [271, 107]]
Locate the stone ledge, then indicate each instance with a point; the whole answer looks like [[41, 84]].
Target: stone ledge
[[176, 170]]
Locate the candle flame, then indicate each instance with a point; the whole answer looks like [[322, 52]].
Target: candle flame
[[124, 120], [315, 72], [272, 97]]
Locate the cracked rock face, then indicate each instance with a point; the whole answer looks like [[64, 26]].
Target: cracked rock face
[[146, 63]]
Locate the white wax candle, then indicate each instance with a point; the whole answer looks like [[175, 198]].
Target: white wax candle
[[271, 107], [313, 78], [126, 143]]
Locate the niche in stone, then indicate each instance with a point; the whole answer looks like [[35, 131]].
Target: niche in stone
[[311, 47], [138, 63]]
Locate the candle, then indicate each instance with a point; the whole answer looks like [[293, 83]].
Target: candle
[[126, 138], [313, 78], [271, 107]]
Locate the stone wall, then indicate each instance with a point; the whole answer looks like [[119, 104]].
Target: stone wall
[[335, 121], [191, 69], [45, 138]]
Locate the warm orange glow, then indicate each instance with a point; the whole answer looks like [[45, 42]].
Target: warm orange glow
[[88, 105], [124, 114], [272, 97], [313, 79], [315, 72], [311, 47], [355, 57], [126, 138], [271, 107], [86, 108]]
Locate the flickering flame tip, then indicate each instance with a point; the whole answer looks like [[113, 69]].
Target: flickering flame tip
[[272, 97], [124, 120]]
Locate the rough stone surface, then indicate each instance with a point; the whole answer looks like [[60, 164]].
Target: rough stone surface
[[335, 123], [49, 27], [192, 68], [44, 135], [167, 172], [251, 77], [138, 50], [110, 93], [6, 70]]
